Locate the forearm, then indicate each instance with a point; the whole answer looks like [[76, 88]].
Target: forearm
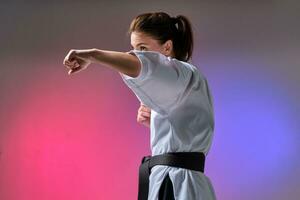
[[122, 62]]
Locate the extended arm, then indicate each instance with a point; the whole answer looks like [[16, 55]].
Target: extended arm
[[125, 63], [122, 62]]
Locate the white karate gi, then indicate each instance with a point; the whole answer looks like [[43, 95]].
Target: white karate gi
[[182, 119]]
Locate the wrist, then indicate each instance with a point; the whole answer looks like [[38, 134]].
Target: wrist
[[93, 55]]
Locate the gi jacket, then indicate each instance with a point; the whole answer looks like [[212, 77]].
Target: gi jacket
[[182, 119]]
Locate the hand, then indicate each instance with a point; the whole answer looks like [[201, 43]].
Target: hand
[[77, 60], [144, 114]]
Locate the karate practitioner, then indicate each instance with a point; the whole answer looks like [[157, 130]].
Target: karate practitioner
[[176, 104]]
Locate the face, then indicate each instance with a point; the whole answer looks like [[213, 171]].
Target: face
[[143, 42]]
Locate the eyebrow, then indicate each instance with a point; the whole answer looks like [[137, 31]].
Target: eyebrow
[[139, 44]]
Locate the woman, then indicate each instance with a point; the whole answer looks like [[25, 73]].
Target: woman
[[175, 103]]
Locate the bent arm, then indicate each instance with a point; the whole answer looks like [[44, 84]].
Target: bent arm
[[122, 62]]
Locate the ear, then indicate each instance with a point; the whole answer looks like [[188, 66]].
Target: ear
[[168, 47]]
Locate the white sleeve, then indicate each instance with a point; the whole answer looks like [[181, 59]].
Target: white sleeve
[[161, 80]]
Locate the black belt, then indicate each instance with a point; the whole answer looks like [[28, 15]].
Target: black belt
[[187, 160]]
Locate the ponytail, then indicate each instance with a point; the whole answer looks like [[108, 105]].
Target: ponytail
[[183, 41]]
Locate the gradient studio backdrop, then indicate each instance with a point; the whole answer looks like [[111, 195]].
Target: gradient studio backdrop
[[76, 137]]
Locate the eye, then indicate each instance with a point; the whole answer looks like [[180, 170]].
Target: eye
[[142, 48]]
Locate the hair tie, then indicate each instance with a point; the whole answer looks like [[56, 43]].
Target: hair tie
[[174, 20]]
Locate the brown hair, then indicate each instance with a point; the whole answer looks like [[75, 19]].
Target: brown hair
[[162, 27]]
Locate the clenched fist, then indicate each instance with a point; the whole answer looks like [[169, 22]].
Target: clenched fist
[[77, 60], [144, 114]]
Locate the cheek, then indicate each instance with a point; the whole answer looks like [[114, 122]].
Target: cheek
[[159, 49]]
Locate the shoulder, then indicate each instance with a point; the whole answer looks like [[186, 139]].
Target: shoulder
[[152, 55], [187, 66]]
